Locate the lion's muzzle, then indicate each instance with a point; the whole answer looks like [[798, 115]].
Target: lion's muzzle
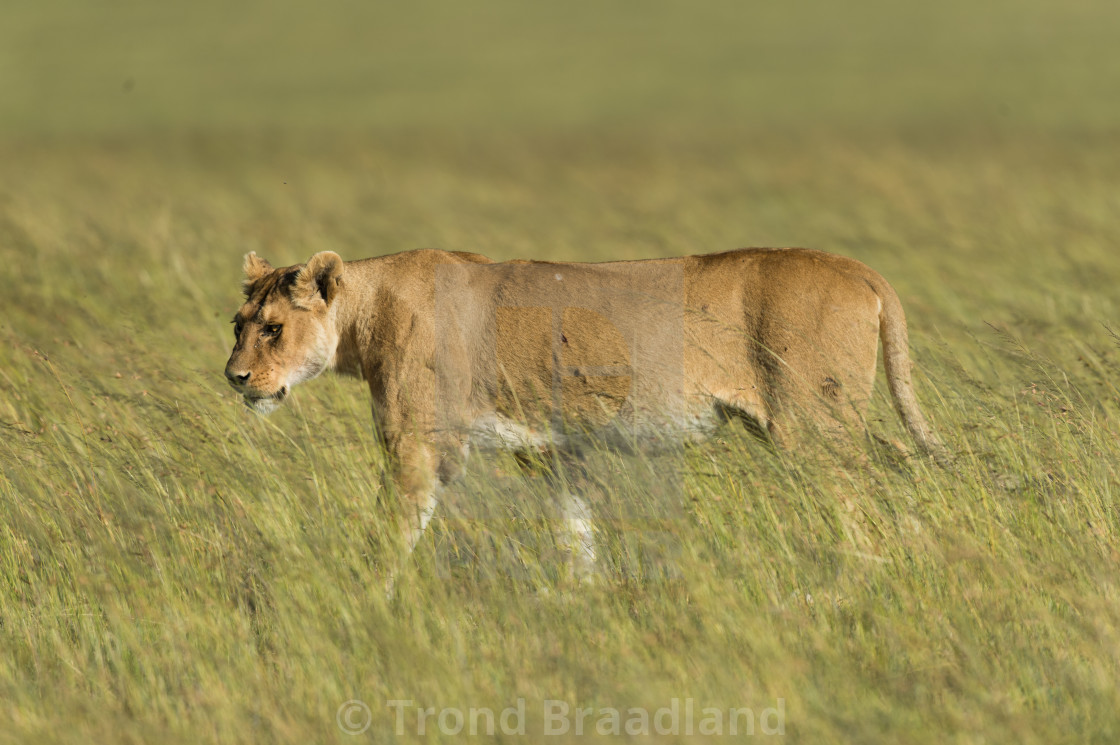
[[260, 401]]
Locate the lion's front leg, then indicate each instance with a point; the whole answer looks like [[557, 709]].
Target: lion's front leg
[[412, 469], [420, 468], [575, 537], [415, 475]]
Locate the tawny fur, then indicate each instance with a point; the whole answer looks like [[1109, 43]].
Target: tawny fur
[[462, 352]]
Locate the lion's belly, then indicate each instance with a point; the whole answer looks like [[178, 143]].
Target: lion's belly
[[627, 431]]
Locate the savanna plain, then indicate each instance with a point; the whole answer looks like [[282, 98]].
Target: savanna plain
[[175, 568]]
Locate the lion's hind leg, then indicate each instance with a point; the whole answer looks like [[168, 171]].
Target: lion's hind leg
[[823, 410], [756, 417]]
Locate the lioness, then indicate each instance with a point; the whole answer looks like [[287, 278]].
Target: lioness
[[459, 351]]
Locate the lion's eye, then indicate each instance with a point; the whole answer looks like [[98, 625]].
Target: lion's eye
[[272, 329]]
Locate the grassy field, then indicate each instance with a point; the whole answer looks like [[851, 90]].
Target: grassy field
[[176, 569]]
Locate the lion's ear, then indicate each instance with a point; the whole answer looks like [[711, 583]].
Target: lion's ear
[[255, 267], [319, 279]]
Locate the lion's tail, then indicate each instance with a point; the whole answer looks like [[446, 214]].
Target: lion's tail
[[896, 362]]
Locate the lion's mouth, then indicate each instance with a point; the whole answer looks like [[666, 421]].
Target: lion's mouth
[[277, 396], [266, 404]]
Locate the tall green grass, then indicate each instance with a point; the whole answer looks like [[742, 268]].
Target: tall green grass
[[174, 568]]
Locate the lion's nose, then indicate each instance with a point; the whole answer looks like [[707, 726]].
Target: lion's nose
[[237, 378]]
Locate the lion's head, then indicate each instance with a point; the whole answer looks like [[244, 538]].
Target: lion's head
[[284, 332]]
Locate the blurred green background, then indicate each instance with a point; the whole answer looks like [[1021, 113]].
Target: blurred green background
[[130, 67]]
